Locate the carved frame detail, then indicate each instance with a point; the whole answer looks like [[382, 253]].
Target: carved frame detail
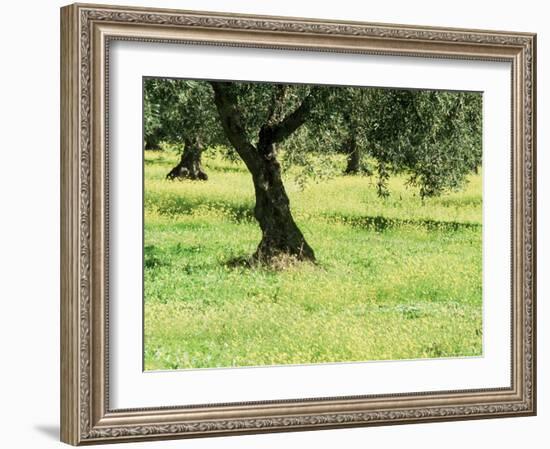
[[86, 33]]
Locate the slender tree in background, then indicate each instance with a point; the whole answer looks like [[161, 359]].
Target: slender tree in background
[[354, 107], [153, 101], [435, 138]]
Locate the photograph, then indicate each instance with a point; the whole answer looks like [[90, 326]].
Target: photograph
[[290, 224]]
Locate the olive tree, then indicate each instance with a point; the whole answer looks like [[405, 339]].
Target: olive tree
[[256, 118], [433, 137], [153, 100], [182, 112]]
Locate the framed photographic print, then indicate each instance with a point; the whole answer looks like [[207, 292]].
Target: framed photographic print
[[280, 224]]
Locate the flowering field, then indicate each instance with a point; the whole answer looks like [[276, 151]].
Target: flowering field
[[395, 278]]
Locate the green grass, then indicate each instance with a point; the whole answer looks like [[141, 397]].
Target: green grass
[[396, 279]]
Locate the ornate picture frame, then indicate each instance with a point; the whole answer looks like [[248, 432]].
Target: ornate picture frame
[[86, 34]]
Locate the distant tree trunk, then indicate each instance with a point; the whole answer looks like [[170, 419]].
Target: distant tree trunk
[[354, 156], [152, 141], [150, 144], [189, 166], [280, 234]]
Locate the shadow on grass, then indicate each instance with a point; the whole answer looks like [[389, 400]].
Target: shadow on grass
[[244, 212], [277, 263], [153, 257], [160, 160], [380, 223], [243, 261], [234, 168], [186, 206]]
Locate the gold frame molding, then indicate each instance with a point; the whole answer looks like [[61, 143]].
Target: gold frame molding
[[86, 31]]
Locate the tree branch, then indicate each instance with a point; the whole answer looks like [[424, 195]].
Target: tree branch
[[276, 103], [232, 123], [277, 132]]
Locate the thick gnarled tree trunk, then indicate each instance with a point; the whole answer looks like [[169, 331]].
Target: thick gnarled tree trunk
[[280, 234], [189, 166]]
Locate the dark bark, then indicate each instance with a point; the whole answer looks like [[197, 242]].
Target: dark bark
[[152, 141], [189, 166], [280, 234], [353, 157], [150, 144]]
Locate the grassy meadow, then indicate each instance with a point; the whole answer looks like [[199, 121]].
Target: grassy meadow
[[396, 278]]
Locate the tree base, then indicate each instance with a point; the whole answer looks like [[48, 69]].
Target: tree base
[[351, 171], [270, 254], [181, 172], [189, 166]]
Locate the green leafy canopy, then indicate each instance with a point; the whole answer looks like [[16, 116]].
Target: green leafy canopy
[[432, 137]]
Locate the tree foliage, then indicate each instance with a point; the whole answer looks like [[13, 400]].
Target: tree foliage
[[178, 109], [434, 137]]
